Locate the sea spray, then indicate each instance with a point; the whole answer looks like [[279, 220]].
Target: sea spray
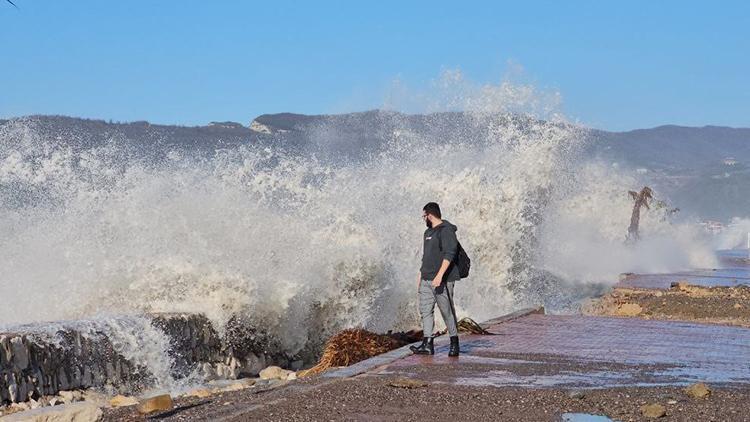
[[299, 244], [736, 235]]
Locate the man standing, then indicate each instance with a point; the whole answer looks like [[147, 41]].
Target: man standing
[[436, 278]]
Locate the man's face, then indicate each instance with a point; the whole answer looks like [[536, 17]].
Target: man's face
[[426, 218]]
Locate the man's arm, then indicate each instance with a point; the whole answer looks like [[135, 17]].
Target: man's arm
[[441, 272], [449, 244]]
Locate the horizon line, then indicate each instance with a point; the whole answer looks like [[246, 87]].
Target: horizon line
[[247, 126]]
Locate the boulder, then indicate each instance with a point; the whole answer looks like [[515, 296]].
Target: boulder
[[71, 396], [208, 371], [653, 410], [120, 401], [698, 391], [248, 381], [274, 373], [155, 404], [75, 412], [254, 364], [15, 407]]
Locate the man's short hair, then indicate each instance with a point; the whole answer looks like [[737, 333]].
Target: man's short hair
[[432, 208]]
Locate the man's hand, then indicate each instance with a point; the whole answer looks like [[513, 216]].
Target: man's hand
[[439, 277]]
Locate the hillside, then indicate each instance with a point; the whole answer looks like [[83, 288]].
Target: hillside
[[677, 160]]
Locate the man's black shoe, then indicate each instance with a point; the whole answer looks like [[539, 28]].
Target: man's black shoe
[[453, 352], [426, 348]]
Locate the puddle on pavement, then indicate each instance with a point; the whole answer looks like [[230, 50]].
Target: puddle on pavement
[[584, 417]]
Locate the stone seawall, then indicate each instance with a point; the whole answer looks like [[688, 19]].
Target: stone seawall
[[35, 365]]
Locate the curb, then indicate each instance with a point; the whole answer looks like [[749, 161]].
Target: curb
[[402, 352], [539, 310]]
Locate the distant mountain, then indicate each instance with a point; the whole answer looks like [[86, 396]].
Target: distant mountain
[[675, 146], [681, 161], [663, 147], [85, 133]]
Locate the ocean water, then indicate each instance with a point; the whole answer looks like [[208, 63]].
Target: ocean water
[[302, 245]]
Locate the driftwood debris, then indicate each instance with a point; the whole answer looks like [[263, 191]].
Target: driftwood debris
[[641, 199]]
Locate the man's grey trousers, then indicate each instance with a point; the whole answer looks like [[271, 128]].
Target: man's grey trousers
[[443, 296]]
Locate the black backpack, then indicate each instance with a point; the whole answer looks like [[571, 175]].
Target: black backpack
[[462, 259]]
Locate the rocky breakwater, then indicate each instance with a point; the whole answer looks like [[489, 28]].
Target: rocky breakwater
[[37, 361], [31, 367]]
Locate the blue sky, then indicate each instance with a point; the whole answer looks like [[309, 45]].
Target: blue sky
[[618, 65]]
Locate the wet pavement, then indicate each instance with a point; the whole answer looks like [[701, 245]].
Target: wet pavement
[[587, 352], [534, 367], [734, 271], [574, 368]]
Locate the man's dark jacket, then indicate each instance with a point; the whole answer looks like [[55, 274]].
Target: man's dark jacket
[[440, 243]]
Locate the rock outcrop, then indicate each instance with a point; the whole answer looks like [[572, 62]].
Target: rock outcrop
[[32, 366]]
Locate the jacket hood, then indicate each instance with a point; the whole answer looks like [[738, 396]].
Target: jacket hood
[[448, 225]]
